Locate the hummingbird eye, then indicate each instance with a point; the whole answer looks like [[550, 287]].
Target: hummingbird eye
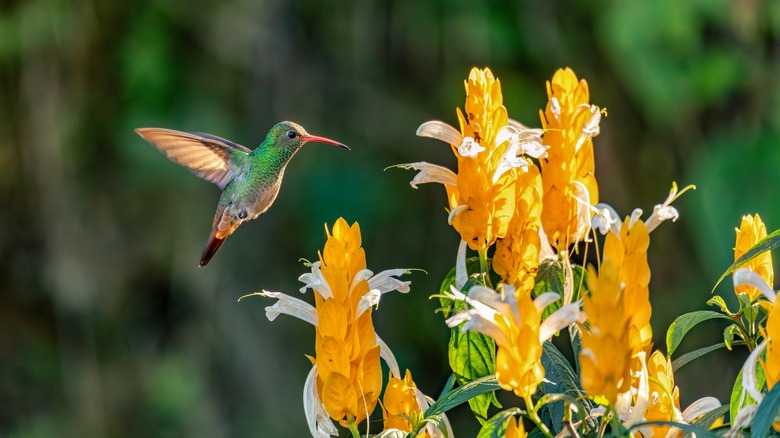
[[291, 134]]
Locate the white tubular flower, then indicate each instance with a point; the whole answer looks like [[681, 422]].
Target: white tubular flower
[[289, 306], [315, 281], [605, 219], [387, 354], [461, 275], [386, 281], [749, 383], [469, 148], [430, 173], [545, 249], [523, 141], [591, 128], [367, 301], [320, 424], [440, 131], [699, 408], [744, 276], [583, 211], [665, 211], [455, 212]]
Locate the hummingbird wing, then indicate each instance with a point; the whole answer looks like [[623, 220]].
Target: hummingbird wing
[[210, 157]]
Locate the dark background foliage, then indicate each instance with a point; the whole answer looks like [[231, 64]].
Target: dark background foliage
[[109, 328]]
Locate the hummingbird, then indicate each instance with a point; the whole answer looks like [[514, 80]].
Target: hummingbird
[[249, 179]]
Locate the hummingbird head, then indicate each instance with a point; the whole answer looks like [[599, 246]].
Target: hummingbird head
[[292, 136]]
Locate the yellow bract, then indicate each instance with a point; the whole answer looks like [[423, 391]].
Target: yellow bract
[[569, 159], [516, 258], [750, 232], [488, 206], [400, 403], [515, 429], [518, 362], [347, 354], [606, 351], [664, 403]]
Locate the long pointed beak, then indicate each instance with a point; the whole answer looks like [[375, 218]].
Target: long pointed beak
[[316, 139]]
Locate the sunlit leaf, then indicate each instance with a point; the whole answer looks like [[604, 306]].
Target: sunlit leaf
[[737, 401], [495, 427], [689, 428], [685, 323], [560, 378], [707, 420], [463, 393]]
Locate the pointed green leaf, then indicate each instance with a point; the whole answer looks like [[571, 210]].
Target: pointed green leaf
[[495, 427], [768, 243], [738, 399], [707, 420], [695, 354], [448, 385], [551, 277], [728, 335], [717, 300], [472, 355], [560, 378], [685, 323], [766, 413], [463, 393]]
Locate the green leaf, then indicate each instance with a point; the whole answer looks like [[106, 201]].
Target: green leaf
[[575, 334], [689, 428], [495, 427], [472, 355], [463, 393], [695, 354], [737, 401], [766, 413], [768, 243], [717, 300], [706, 420], [551, 277], [560, 378], [728, 335], [685, 323]]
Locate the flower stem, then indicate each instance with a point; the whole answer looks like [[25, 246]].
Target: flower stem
[[483, 266], [533, 416], [353, 429]]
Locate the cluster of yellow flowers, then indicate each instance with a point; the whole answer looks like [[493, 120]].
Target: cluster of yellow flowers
[[523, 199]]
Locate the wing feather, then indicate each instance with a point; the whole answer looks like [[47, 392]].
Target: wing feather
[[210, 157]]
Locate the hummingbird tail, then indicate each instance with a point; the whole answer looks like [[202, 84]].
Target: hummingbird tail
[[211, 248]]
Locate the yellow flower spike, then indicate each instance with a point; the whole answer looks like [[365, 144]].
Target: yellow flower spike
[[518, 364], [400, 403], [635, 273], [568, 171], [750, 232], [664, 404], [606, 351], [332, 357], [332, 320]]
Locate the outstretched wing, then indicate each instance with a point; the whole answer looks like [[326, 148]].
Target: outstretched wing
[[208, 156]]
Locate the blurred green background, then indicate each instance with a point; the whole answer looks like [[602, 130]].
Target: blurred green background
[[109, 328]]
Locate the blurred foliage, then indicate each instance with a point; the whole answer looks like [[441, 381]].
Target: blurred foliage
[[107, 326]]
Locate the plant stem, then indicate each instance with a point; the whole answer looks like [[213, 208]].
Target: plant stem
[[533, 416], [483, 266]]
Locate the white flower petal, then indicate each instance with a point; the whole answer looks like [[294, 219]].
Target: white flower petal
[[387, 354], [635, 215], [461, 276], [316, 281], [699, 408], [749, 373], [605, 219], [534, 148], [367, 301], [542, 301], [454, 212], [391, 433], [507, 133], [385, 281], [364, 274], [743, 420], [642, 395], [430, 173], [583, 211], [559, 320], [290, 306], [487, 327], [746, 277], [440, 131], [469, 148], [507, 163], [318, 419], [555, 108]]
